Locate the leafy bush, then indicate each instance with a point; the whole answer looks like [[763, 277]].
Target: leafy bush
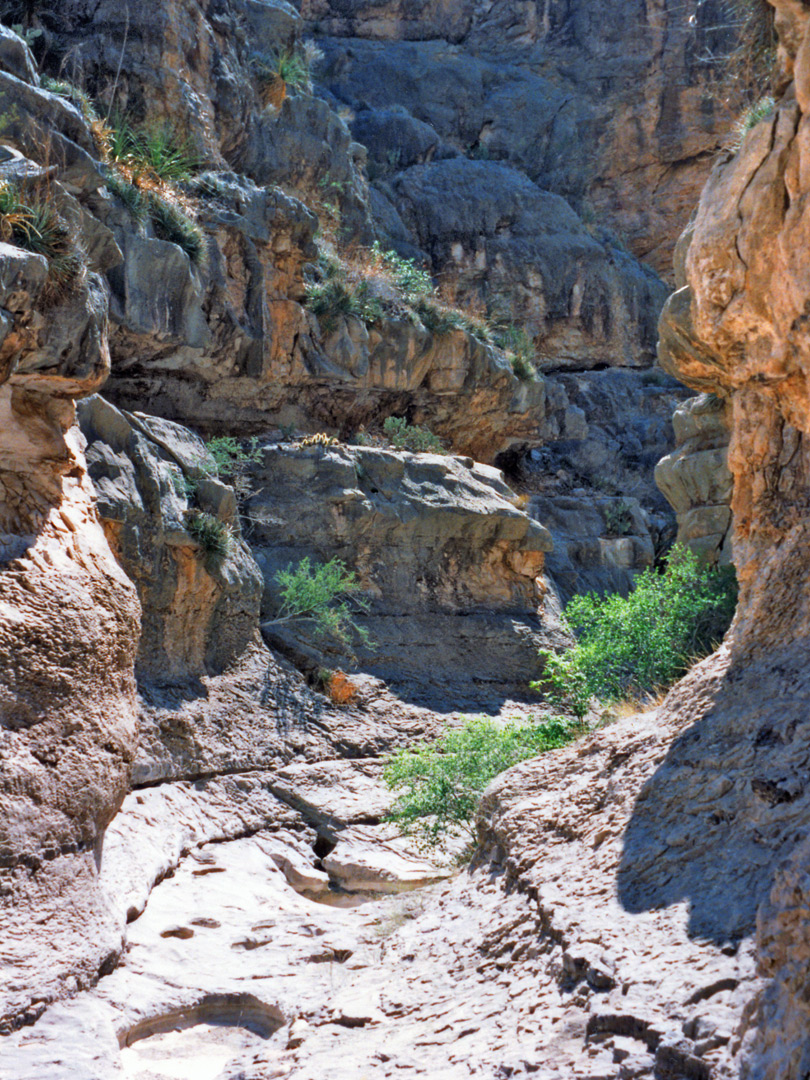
[[230, 456], [34, 223], [441, 782], [172, 223], [618, 518], [405, 436], [633, 646], [324, 594], [213, 535], [411, 280]]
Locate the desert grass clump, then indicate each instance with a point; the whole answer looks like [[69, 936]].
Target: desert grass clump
[[213, 535], [337, 297], [74, 94], [154, 154], [174, 224], [441, 783], [33, 222], [132, 197], [283, 70], [756, 112]]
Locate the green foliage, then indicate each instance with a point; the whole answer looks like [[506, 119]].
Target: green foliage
[[157, 151], [516, 343], [759, 110], [325, 594], [74, 94], [412, 281], [405, 436], [230, 455], [172, 223], [132, 198], [213, 535], [630, 647], [618, 518], [440, 783], [335, 298], [291, 66], [34, 223]]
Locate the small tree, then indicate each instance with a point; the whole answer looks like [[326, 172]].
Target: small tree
[[324, 594]]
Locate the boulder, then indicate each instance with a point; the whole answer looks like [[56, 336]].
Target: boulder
[[452, 571]]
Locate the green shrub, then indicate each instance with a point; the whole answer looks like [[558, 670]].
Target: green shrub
[[335, 298], [213, 535], [230, 455], [405, 436], [414, 282], [618, 518], [34, 223], [172, 223], [630, 647], [441, 782], [326, 595]]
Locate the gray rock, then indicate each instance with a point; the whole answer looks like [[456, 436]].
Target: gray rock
[[491, 230], [451, 569]]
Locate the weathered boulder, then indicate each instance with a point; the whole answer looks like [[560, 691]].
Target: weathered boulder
[[200, 609], [452, 570], [696, 480]]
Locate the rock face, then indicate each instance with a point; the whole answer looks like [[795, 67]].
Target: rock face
[[696, 479], [737, 328], [69, 622], [451, 568], [600, 111]]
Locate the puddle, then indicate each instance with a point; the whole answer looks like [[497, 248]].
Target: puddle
[[199, 1043], [200, 1052]]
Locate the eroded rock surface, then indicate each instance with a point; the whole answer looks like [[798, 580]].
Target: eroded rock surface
[[451, 568], [696, 480], [69, 624], [602, 112]]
